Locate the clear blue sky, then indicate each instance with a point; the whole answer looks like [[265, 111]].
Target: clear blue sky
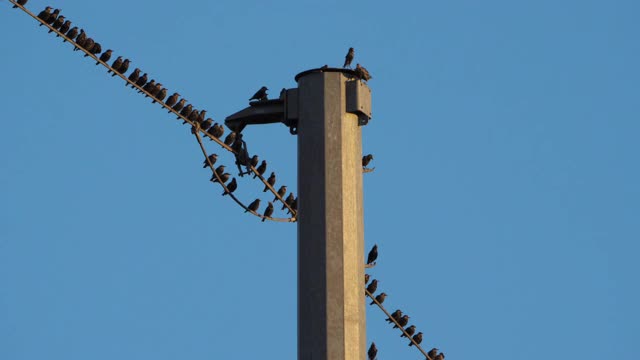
[[505, 199]]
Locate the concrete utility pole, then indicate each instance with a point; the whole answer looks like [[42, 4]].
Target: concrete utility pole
[[326, 111]]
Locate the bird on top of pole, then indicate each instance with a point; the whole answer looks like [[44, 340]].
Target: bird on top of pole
[[348, 58]]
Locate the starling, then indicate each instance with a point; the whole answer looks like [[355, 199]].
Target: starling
[[373, 351], [193, 117], [231, 187], [271, 181], [432, 353], [362, 73], [133, 77], [143, 80], [116, 65], [123, 68], [179, 106], [417, 338], [105, 56], [148, 87], [268, 211], [205, 125], [253, 206], [52, 17], [349, 58], [88, 45], [410, 331], [294, 205], [281, 193], [373, 255], [172, 100], [97, 49], [380, 298], [403, 321], [161, 95], [230, 139], [212, 158], [261, 169], [439, 357], [373, 286], [57, 24], [366, 160], [80, 39], [186, 111], [366, 278], [395, 316], [44, 14], [288, 201], [202, 115], [224, 178], [219, 131], [72, 34], [254, 161], [64, 28], [260, 94], [220, 170], [21, 2]]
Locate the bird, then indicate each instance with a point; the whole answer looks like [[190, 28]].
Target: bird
[[271, 181], [97, 49], [366, 278], [373, 255], [192, 117], [57, 23], [253, 206], [294, 205], [230, 139], [64, 28], [432, 353], [268, 211], [123, 68], [261, 169], [44, 14], [205, 125], [155, 90], [288, 201], [186, 111], [21, 2], [220, 170], [143, 80], [105, 56], [254, 160], [373, 351], [349, 58], [116, 64], [212, 158], [88, 44], [417, 338], [148, 87], [260, 95], [179, 106], [439, 357], [161, 95], [380, 298], [133, 77], [82, 36], [281, 193], [52, 17], [373, 286], [218, 130], [403, 321], [363, 73], [231, 187], [71, 34], [202, 115], [394, 316], [172, 100], [366, 160], [324, 67], [410, 331], [223, 178]]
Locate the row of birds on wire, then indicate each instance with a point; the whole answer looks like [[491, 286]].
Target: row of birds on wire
[[397, 318], [159, 93]]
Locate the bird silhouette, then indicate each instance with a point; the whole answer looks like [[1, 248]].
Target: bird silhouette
[[289, 201], [261, 169], [366, 160], [172, 100], [410, 331], [64, 28], [396, 315], [231, 187], [268, 211], [230, 138], [373, 286], [281, 193], [253, 206], [380, 298], [373, 351], [260, 95], [417, 338], [133, 77], [271, 181], [21, 2], [349, 58], [71, 34], [403, 321], [373, 255], [212, 158]]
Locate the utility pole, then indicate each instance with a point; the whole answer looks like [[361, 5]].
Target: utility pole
[[326, 111]]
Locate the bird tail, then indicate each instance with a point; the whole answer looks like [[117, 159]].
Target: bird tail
[[371, 303], [410, 344], [263, 219], [225, 193], [265, 189], [114, 74], [50, 31]]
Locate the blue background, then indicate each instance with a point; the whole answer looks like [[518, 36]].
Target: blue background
[[505, 199]]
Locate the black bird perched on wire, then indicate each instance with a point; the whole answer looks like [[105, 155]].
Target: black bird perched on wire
[[172, 100], [373, 255], [230, 139], [260, 95], [373, 351], [224, 178], [64, 28], [380, 298], [268, 211], [396, 315], [254, 205], [288, 201], [363, 73], [71, 34], [261, 169], [88, 45], [212, 158], [294, 205], [82, 36], [366, 160], [133, 77], [417, 338], [202, 115], [206, 124], [410, 331], [218, 130], [432, 353], [366, 278], [231, 187], [96, 50], [148, 87], [193, 117], [106, 56], [271, 181], [57, 24], [142, 81], [281, 192], [44, 14], [254, 160], [179, 106], [403, 321], [116, 64], [349, 58], [123, 68], [186, 111], [220, 170], [52, 17], [439, 357], [373, 286], [21, 2], [161, 95]]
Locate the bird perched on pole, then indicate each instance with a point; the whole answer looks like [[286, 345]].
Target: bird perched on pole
[[410, 331], [268, 211], [52, 17], [71, 34], [366, 276], [373, 351], [380, 298], [143, 80], [373, 286], [362, 73], [373, 255], [211, 159], [432, 353], [366, 160], [281, 193], [206, 124], [261, 169], [417, 338], [82, 36], [260, 95], [116, 64], [231, 187], [220, 170], [349, 58], [21, 2], [396, 315], [123, 68], [403, 321], [95, 50], [133, 77], [161, 95], [57, 24], [106, 56], [44, 14], [253, 206], [289, 201], [223, 178], [64, 28], [172, 100], [271, 181], [230, 139], [88, 45]]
